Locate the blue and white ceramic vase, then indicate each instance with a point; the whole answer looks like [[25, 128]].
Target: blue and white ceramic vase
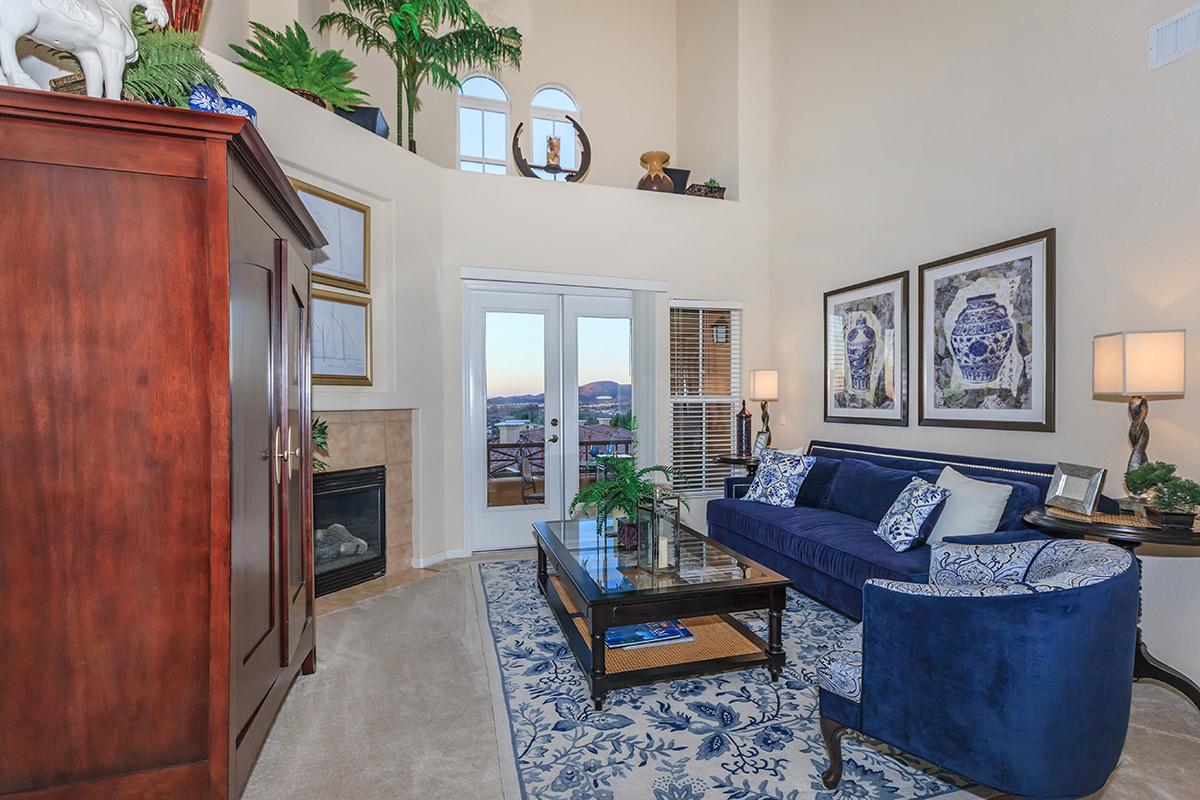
[[981, 338], [206, 98], [860, 353]]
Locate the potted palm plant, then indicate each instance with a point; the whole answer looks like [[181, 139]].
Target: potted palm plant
[[288, 59], [427, 40]]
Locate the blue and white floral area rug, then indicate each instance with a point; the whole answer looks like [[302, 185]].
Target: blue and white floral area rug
[[734, 736]]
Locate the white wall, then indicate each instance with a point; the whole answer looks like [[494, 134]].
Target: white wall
[[708, 92], [701, 248], [617, 58], [907, 132]]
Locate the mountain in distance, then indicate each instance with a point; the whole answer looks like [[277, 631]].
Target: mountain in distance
[[589, 393]]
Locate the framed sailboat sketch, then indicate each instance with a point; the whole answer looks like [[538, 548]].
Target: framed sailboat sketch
[[866, 352], [341, 339], [346, 261]]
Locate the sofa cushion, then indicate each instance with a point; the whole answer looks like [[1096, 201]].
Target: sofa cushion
[[838, 545], [864, 490], [974, 506], [1024, 497], [778, 479], [910, 519], [816, 485]]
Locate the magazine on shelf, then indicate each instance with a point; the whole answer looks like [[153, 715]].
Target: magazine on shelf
[[648, 634]]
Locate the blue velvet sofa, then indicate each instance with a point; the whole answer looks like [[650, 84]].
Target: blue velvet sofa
[[826, 544], [1012, 666]]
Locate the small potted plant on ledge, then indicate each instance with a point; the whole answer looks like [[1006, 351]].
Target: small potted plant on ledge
[[710, 188], [288, 59]]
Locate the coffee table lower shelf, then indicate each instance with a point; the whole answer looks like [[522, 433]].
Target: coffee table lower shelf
[[721, 643]]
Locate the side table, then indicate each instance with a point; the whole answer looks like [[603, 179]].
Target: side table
[[1130, 533], [750, 463]]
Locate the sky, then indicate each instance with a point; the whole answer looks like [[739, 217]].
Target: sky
[[515, 352]]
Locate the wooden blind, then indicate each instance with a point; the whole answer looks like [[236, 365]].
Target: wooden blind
[[706, 373]]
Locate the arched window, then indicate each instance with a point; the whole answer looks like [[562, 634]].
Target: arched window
[[482, 126], [549, 109]]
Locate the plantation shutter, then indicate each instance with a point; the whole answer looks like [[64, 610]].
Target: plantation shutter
[[706, 373]]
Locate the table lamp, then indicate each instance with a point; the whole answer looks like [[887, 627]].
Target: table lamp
[[764, 388], [1138, 366]]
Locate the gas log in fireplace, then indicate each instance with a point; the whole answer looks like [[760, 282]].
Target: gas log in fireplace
[[349, 537]]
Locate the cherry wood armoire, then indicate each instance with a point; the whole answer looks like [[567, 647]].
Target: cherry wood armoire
[[156, 584]]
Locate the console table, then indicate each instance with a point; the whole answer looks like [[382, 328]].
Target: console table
[[1129, 533]]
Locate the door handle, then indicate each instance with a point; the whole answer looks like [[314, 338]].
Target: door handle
[[553, 439], [278, 455], [290, 452]]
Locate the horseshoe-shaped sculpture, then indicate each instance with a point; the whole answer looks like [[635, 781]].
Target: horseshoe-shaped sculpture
[[573, 176]]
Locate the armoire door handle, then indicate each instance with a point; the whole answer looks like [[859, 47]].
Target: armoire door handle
[[278, 455]]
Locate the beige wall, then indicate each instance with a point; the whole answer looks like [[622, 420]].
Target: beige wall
[[708, 112], [904, 133], [701, 248]]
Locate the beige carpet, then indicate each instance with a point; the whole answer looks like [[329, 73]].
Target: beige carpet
[[399, 709]]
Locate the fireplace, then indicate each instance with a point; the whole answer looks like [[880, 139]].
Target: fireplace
[[349, 537]]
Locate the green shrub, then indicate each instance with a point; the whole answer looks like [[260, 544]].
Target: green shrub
[[169, 65], [288, 59]]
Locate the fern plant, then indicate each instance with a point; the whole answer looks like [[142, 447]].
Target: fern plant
[[288, 59], [628, 487], [320, 440], [169, 65]]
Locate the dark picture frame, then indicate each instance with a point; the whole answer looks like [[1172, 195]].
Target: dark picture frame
[[986, 337], [864, 356]]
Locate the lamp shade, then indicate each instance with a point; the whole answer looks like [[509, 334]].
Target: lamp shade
[[764, 385], [1139, 363]]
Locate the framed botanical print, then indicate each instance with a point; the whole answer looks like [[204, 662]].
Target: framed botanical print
[[341, 339], [987, 337], [866, 352], [346, 261]]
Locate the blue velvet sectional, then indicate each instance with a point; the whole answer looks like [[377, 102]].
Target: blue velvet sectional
[[826, 544]]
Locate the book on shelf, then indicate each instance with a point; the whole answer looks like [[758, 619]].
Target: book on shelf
[[648, 634]]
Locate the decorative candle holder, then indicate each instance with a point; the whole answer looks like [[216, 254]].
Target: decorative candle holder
[[658, 534]]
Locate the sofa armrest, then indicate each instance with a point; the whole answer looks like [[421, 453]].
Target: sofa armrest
[[1001, 688], [736, 487], [1000, 537]]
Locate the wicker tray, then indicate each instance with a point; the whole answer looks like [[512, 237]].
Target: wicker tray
[[1128, 520]]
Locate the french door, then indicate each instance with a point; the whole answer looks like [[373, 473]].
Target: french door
[[549, 391]]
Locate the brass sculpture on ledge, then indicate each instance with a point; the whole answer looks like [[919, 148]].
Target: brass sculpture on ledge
[[553, 167]]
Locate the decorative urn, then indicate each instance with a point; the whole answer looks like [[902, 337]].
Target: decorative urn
[[655, 180], [860, 352], [981, 338]]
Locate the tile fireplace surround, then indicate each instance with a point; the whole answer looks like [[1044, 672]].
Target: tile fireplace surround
[[366, 439]]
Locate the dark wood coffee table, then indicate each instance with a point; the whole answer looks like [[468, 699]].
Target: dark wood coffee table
[[592, 586]]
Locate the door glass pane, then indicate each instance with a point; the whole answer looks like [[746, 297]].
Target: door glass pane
[[605, 392], [515, 369]]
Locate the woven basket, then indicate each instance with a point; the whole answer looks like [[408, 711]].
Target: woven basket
[[69, 84]]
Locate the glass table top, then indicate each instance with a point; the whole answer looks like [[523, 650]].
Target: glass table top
[[616, 571]]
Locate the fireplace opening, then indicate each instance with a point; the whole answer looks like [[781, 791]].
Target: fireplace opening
[[349, 536]]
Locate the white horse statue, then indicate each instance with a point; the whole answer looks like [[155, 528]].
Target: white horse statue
[[97, 32]]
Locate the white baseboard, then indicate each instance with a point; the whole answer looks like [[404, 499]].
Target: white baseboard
[[421, 562]]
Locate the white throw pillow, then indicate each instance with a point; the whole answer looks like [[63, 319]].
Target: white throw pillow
[[972, 507]]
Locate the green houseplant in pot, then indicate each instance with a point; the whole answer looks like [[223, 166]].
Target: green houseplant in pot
[[287, 58], [1174, 502], [623, 488]]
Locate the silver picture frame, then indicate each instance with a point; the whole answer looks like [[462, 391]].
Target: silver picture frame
[[1075, 487]]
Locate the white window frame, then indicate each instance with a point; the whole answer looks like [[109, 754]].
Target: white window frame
[[556, 114], [482, 104], [713, 475]]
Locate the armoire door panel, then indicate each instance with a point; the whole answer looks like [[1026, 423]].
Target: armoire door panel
[[297, 527], [103, 473], [255, 362]]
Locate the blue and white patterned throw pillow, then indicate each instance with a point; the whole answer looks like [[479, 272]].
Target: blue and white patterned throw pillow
[[779, 478], [910, 519]]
